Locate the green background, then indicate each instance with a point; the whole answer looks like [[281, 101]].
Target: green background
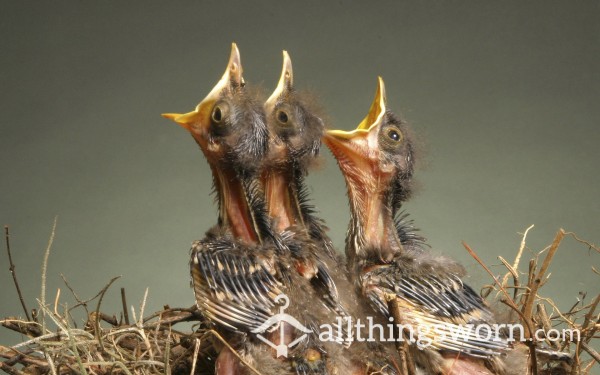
[[505, 97]]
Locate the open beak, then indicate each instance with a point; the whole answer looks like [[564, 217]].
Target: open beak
[[280, 201], [354, 148], [286, 82], [198, 120]]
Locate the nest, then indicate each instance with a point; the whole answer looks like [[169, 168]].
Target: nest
[[153, 344]]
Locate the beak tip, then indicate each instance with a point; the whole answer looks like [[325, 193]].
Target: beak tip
[[235, 50], [286, 80], [287, 71], [381, 88], [170, 116], [234, 68]]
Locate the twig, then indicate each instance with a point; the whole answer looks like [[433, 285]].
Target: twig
[[515, 265], [535, 281], [156, 334], [9, 369], [74, 346], [124, 302], [521, 248], [509, 302], [589, 350], [588, 367], [588, 317], [195, 358], [118, 364], [583, 344], [169, 310], [530, 277], [56, 299], [43, 294], [13, 272], [50, 362], [97, 317], [140, 323], [579, 302], [589, 244], [512, 271], [27, 328], [20, 357], [57, 319], [531, 296], [80, 302], [44, 268], [182, 316], [543, 318], [235, 353]]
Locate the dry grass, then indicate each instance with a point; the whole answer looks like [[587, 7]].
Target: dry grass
[[153, 345], [105, 344]]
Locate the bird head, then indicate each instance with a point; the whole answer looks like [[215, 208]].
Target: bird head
[[228, 124], [295, 130], [376, 157]]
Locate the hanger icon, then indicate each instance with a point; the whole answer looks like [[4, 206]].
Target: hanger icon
[[276, 321]]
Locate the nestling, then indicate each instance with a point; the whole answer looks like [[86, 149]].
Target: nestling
[[411, 285]]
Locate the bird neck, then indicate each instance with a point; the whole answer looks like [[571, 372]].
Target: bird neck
[[234, 206], [371, 232], [281, 193]]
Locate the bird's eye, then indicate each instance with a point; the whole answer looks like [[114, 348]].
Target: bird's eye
[[220, 118], [282, 117], [217, 115], [394, 135]]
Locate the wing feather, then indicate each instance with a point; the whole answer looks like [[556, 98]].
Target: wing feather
[[445, 311], [233, 285]]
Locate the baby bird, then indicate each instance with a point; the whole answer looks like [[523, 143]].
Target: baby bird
[[295, 134], [295, 141], [230, 128], [233, 272], [414, 287]]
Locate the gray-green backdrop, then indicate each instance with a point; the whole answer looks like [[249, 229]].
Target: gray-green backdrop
[[504, 95]]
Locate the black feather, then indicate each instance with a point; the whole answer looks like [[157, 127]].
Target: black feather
[[408, 233]]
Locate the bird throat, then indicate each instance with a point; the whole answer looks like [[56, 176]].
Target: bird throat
[[234, 208], [372, 226], [282, 198]]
